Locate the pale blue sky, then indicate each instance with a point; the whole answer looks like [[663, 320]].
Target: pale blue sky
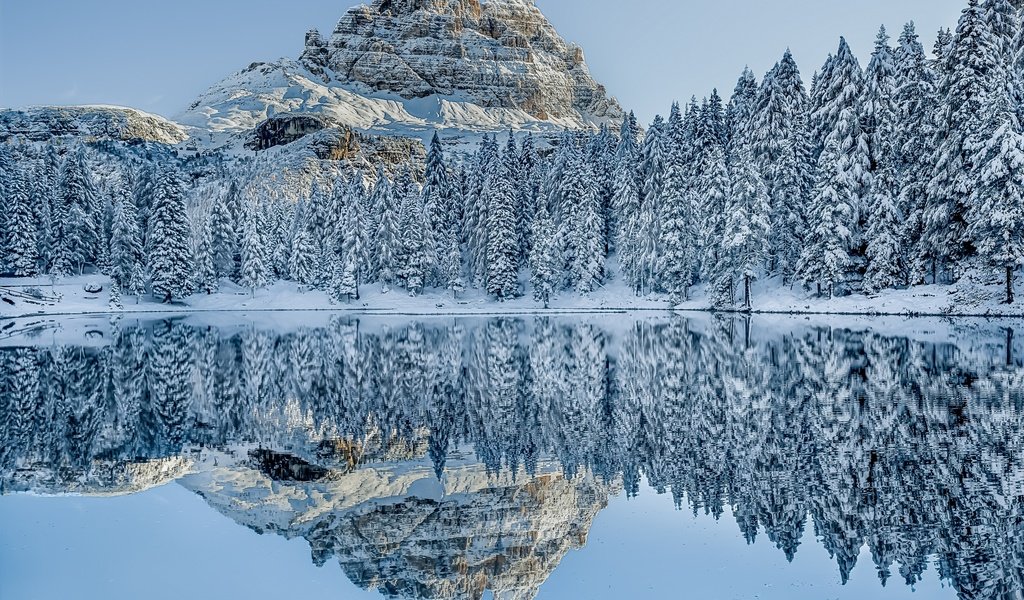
[[158, 55]]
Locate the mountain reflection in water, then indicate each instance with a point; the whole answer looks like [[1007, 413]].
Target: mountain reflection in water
[[442, 459]]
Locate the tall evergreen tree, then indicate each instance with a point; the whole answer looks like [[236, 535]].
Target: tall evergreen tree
[[825, 259], [999, 197], [204, 275], [962, 95], [626, 199], [126, 255], [387, 240], [224, 245], [170, 254], [502, 278], [543, 257], [745, 244], [21, 233], [646, 226], [254, 269]]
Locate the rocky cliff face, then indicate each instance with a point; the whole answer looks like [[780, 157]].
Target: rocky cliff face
[[410, 67], [499, 54]]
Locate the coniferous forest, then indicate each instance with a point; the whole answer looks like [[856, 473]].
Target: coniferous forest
[[908, 170]]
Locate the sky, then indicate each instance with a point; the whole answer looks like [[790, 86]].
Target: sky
[[158, 56]]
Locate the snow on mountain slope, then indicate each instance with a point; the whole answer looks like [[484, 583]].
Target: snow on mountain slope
[[42, 123], [407, 68]]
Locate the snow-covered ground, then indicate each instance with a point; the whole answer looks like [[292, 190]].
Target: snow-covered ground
[[965, 299]]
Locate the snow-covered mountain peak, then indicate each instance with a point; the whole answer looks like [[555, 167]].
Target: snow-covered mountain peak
[[409, 67]]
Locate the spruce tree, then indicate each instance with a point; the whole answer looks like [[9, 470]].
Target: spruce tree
[[502, 278], [626, 201], [679, 251], [304, 264], [75, 225], [914, 139], [745, 243], [645, 227], [825, 259], [543, 257], [225, 238], [204, 276], [21, 233], [998, 228], [127, 258], [254, 270], [388, 236], [170, 254], [963, 94]]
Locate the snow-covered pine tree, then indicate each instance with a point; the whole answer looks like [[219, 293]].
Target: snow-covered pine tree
[[170, 254], [914, 139], [225, 238], [544, 255], [825, 259], [440, 205], [127, 259], [645, 229], [745, 243], [712, 188], [739, 114], [254, 270], [475, 218], [601, 162], [529, 188], [354, 243], [205, 276], [419, 247], [626, 201], [304, 261], [879, 117], [678, 224], [586, 271], [502, 280], [21, 235], [43, 188], [998, 225], [963, 93], [885, 253], [75, 231], [387, 239]]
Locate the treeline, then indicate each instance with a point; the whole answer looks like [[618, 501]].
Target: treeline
[[906, 447], [908, 172]]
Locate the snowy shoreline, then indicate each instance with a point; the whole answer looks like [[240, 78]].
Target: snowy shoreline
[[771, 298]]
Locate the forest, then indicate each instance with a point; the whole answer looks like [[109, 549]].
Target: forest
[[907, 172]]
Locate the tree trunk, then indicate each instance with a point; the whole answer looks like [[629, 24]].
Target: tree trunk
[[1009, 346], [747, 301], [1009, 285]]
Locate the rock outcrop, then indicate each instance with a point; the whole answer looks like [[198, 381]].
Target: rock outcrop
[[412, 67], [500, 54]]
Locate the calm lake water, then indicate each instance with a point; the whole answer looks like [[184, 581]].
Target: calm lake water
[[574, 457]]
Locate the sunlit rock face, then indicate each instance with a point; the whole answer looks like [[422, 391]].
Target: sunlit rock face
[[410, 68], [399, 529], [500, 54]]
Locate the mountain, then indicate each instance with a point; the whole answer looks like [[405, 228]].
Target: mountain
[[43, 123], [409, 67]]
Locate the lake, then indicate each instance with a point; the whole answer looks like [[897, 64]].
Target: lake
[[588, 456]]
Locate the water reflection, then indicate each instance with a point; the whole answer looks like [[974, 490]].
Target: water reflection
[[443, 459]]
